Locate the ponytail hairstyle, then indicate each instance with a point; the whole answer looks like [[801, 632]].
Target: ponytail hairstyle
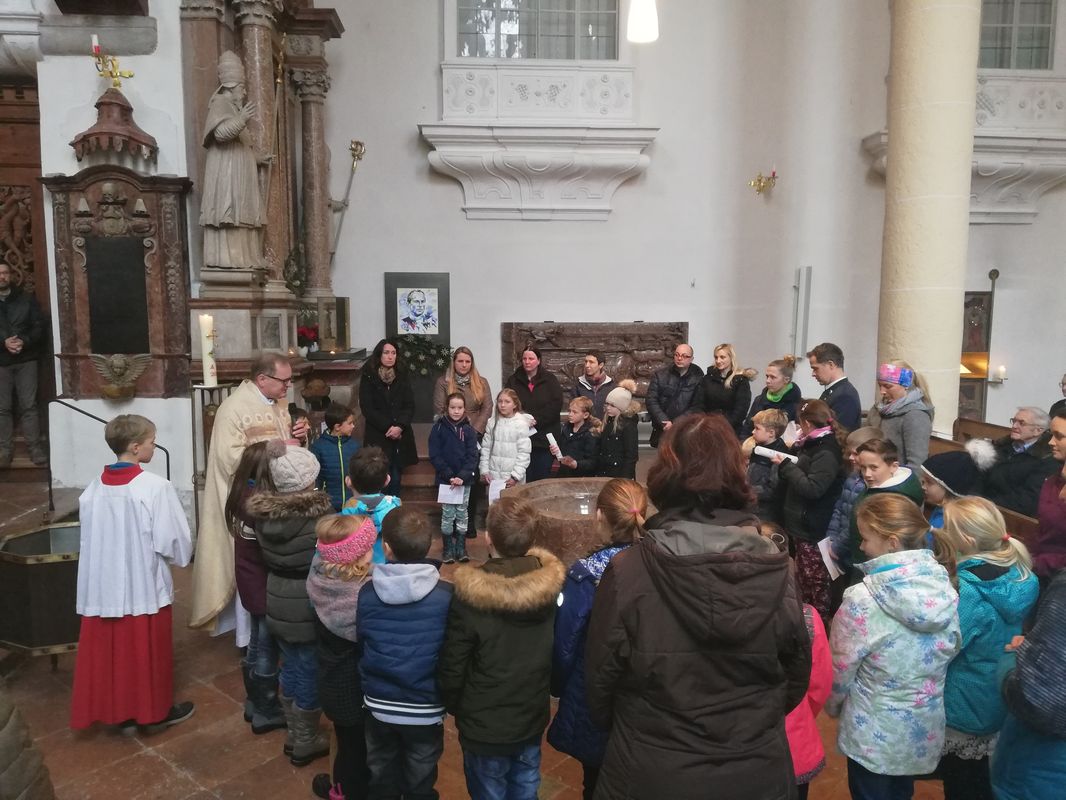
[[595, 424], [623, 507], [817, 414], [786, 365], [253, 470], [892, 515], [974, 528]]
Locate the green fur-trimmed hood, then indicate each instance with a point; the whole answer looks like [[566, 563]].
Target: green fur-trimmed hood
[[524, 585], [308, 503]]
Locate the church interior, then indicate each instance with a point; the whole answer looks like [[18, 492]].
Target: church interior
[[189, 183]]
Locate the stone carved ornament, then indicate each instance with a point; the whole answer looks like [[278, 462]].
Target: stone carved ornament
[[120, 373], [112, 218]]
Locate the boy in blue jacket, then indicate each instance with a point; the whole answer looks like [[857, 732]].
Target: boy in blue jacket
[[401, 621], [453, 451], [368, 476], [334, 449]]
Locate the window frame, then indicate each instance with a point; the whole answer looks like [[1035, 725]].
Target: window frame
[[1056, 51], [449, 10]]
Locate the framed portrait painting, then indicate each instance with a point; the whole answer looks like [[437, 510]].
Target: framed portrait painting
[[418, 303]]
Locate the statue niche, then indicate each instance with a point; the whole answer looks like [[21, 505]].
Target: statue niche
[[231, 208]]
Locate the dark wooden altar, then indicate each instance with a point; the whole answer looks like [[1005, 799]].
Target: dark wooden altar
[[122, 282]]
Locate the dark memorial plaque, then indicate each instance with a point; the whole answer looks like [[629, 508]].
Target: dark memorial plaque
[[118, 298]]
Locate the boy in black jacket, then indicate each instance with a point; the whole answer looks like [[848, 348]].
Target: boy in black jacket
[[769, 424], [495, 668]]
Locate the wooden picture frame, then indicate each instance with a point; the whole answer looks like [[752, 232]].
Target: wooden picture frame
[[418, 303]]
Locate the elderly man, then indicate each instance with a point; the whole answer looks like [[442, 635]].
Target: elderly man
[[827, 367], [673, 391], [21, 333], [1023, 461], [594, 384], [256, 411]]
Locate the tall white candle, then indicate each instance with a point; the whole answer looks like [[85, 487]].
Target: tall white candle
[[207, 349], [96, 45]]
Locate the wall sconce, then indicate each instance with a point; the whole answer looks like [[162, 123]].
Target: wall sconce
[[764, 183], [642, 25], [1001, 375]]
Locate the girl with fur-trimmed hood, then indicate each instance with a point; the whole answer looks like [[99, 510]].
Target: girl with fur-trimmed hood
[[495, 666], [285, 526]]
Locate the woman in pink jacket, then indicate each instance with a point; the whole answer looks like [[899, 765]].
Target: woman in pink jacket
[[808, 755]]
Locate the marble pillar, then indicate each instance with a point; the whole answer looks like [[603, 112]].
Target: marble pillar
[[205, 35], [931, 98], [256, 20], [311, 88]]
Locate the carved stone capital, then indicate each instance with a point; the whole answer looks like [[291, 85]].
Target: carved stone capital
[[311, 84], [204, 9], [304, 46], [258, 12], [538, 172]]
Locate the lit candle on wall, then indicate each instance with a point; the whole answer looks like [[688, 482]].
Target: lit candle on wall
[[207, 349], [1001, 373], [96, 45]]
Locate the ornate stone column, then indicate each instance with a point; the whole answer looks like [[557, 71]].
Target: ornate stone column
[[931, 99], [256, 20], [205, 35], [311, 88]]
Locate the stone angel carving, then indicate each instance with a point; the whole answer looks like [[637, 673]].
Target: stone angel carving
[[120, 373]]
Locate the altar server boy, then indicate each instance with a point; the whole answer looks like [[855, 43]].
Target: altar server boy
[[132, 529]]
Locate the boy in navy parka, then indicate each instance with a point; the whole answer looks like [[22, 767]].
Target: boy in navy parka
[[453, 451], [401, 621]]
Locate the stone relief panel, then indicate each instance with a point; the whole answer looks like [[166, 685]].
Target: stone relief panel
[[1017, 103], [16, 233], [634, 350]]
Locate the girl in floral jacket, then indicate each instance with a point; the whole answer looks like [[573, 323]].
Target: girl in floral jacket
[[892, 641]]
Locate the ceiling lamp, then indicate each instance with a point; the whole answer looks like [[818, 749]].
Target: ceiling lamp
[[643, 23]]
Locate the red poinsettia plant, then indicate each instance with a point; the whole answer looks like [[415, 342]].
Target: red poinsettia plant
[[307, 335]]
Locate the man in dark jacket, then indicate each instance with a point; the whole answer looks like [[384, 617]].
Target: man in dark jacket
[[1023, 462], [594, 383], [827, 367], [22, 334], [495, 668], [401, 621], [672, 391]]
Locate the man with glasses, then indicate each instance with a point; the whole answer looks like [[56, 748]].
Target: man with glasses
[[672, 391], [1023, 462], [256, 411], [1059, 405]]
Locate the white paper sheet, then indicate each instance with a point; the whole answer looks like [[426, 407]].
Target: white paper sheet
[[495, 487], [450, 494], [825, 546]]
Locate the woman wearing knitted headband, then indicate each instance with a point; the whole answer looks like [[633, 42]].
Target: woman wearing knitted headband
[[621, 509], [905, 413]]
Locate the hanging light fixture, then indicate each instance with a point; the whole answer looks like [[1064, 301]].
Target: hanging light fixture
[[642, 25]]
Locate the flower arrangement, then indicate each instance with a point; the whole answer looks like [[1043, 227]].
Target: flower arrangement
[[422, 356], [307, 335]]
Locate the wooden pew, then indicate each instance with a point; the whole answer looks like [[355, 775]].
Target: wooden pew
[[965, 429]]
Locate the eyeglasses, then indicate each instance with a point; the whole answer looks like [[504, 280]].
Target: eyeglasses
[[286, 381], [681, 355], [1021, 423]]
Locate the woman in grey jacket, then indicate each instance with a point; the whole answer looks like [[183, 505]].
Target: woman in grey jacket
[[905, 413]]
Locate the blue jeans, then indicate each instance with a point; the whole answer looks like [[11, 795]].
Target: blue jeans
[[299, 673], [866, 785], [262, 652], [514, 777]]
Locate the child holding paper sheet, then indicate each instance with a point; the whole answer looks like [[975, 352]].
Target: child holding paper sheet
[[506, 448], [453, 451]]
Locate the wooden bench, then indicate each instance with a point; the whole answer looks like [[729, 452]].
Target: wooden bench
[[965, 429]]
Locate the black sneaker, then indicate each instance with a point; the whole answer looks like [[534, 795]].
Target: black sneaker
[[178, 713], [321, 784]]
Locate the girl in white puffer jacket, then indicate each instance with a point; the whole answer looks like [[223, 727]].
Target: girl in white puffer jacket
[[506, 447]]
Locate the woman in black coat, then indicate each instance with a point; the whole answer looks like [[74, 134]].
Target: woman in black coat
[[780, 392], [388, 405], [726, 388], [542, 396]]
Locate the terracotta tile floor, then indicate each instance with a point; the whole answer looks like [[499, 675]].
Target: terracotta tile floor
[[213, 755]]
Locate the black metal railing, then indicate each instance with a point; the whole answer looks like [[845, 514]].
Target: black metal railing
[[102, 421]]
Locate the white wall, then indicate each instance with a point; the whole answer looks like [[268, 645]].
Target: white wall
[[735, 88], [69, 87]]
